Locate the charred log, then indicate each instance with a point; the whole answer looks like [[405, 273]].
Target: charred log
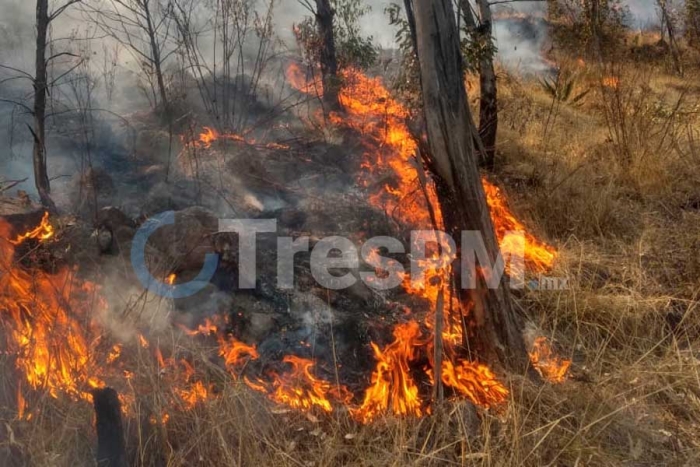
[[111, 451]]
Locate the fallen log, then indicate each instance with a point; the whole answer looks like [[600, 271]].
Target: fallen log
[[111, 451]]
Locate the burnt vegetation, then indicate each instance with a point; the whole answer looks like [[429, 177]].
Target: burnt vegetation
[[574, 123]]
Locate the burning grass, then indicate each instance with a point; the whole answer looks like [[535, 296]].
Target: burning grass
[[634, 397]]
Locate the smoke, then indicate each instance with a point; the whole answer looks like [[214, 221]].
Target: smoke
[[520, 46], [521, 35], [643, 13]]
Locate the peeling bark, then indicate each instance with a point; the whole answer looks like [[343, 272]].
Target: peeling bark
[[496, 326]]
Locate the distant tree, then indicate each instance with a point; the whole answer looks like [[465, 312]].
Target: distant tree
[[327, 52], [353, 48], [668, 22], [242, 34], [144, 27], [332, 38], [588, 26], [481, 49], [407, 82], [692, 22], [44, 18]]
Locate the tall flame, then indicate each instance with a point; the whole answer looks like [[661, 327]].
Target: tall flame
[[392, 386], [53, 350]]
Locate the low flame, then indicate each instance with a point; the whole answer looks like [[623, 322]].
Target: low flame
[[611, 82], [539, 257], [42, 232], [302, 81], [209, 136], [550, 366], [300, 389], [474, 381], [170, 280]]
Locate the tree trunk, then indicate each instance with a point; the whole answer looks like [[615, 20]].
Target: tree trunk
[[41, 177], [488, 102], [155, 53], [497, 329], [488, 106], [329, 62], [672, 43]]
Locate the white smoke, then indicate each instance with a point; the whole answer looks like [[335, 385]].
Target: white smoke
[[644, 13]]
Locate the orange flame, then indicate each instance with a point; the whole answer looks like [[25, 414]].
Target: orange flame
[[193, 393], [539, 257], [236, 353], [43, 232], [301, 390], [60, 348], [209, 136], [550, 366], [207, 328], [392, 384], [301, 81], [474, 381], [611, 82], [391, 153], [53, 350], [170, 280]]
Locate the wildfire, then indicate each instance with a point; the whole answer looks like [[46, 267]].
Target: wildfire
[[209, 136], [235, 353], [390, 148], [301, 81], [474, 381], [550, 366], [539, 257], [300, 389], [60, 346], [170, 280]]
